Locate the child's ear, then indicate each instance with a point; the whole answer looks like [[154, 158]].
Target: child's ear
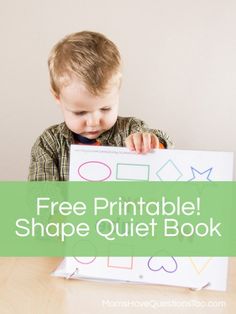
[[55, 96]]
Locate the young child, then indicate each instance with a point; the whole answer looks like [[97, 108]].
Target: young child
[[85, 74]]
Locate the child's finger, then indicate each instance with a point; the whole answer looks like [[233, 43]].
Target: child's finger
[[137, 139], [154, 141], [146, 142], [129, 143]]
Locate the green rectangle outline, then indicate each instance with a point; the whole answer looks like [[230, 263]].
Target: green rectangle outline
[[143, 165]]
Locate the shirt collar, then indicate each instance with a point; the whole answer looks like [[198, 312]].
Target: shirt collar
[[84, 140]]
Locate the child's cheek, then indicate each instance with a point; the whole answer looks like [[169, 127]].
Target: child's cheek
[[73, 123], [77, 124]]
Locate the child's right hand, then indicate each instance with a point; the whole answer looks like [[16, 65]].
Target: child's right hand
[[142, 143]]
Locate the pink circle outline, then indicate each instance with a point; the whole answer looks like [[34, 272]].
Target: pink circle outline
[[97, 162], [85, 263]]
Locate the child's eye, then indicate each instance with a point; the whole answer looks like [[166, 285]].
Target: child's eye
[[81, 113], [106, 109]]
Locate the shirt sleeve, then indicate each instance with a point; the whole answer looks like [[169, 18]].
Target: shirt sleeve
[[43, 163], [137, 125]]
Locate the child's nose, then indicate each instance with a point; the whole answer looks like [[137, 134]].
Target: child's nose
[[93, 120]]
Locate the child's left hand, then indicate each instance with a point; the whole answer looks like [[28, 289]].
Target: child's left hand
[[142, 142]]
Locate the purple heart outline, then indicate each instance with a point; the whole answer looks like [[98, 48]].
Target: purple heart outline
[[162, 267]]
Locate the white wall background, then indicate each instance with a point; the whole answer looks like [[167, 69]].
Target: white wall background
[[179, 68]]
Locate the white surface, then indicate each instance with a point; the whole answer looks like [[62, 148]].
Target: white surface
[[195, 272], [191, 272], [94, 163]]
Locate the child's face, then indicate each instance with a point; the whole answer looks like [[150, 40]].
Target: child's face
[[87, 114]]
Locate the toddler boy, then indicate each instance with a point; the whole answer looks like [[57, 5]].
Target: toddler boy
[[85, 75]]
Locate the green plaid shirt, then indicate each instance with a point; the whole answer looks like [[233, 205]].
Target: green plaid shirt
[[51, 151]]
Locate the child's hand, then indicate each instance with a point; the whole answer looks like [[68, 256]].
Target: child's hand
[[142, 142]]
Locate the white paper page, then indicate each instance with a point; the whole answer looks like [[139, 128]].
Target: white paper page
[[192, 272], [92, 163], [89, 163]]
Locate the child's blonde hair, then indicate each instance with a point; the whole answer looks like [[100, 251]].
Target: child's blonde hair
[[88, 56]]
